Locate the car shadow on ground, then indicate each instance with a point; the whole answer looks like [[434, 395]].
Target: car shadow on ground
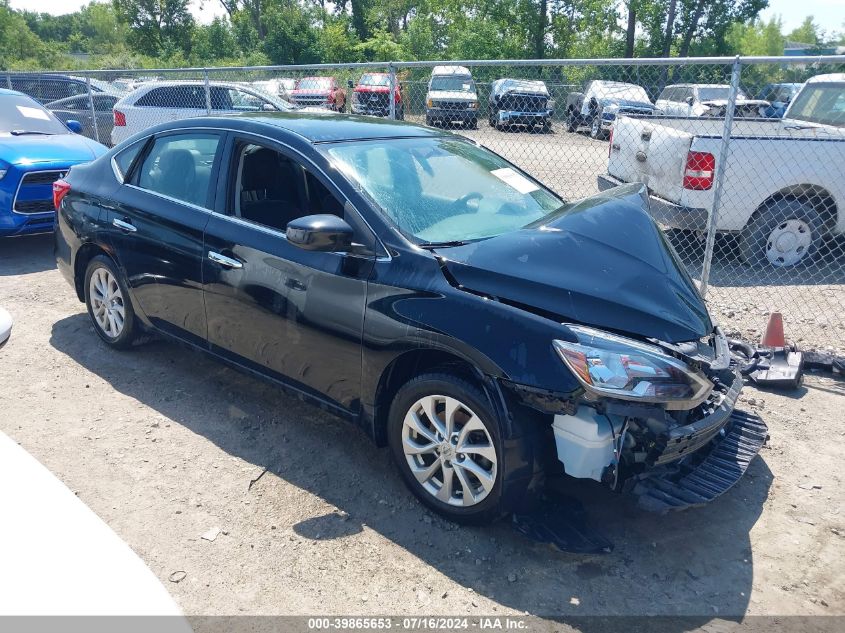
[[25, 255], [697, 563]]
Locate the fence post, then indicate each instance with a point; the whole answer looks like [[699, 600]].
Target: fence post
[[392, 70], [721, 163], [8, 81], [92, 109], [207, 92]]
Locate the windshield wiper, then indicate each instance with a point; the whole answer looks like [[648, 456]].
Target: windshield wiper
[[25, 132], [433, 245]]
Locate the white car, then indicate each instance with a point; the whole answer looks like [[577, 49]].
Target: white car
[[694, 100], [5, 326], [158, 102], [783, 192]]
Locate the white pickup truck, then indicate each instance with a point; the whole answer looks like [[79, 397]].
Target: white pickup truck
[[784, 183]]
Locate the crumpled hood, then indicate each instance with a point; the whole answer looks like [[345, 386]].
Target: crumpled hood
[[28, 149], [601, 262]]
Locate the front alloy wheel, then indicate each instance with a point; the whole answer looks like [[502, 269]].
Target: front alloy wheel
[[449, 450], [446, 440], [595, 127]]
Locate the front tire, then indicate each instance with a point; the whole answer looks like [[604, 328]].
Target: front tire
[[595, 128], [571, 123], [446, 440], [781, 234], [108, 303]]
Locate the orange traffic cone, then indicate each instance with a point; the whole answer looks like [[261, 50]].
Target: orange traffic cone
[[774, 332]]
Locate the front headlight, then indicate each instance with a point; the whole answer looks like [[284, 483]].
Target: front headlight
[[618, 367], [3, 173], [473, 105], [611, 107]]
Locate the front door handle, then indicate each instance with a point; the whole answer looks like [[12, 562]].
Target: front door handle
[[124, 226], [228, 262]]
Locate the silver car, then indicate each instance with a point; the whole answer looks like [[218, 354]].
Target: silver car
[[78, 108]]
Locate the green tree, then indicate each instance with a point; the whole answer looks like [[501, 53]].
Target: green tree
[[807, 33], [157, 26]]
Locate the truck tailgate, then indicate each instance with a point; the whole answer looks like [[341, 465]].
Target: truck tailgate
[[645, 151]]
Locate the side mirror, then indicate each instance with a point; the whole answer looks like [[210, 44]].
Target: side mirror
[[689, 100], [268, 107], [350, 83], [324, 232], [74, 126]]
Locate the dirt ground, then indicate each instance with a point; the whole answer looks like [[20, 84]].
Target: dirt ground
[[166, 445]]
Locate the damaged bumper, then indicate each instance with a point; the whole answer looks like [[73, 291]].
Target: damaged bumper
[[669, 458]]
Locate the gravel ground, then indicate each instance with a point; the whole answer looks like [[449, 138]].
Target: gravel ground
[[307, 517]]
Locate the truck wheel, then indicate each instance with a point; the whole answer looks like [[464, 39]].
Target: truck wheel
[[473, 124], [595, 128], [446, 439], [781, 234], [428, 121]]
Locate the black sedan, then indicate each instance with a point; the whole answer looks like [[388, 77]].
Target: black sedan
[[423, 288]]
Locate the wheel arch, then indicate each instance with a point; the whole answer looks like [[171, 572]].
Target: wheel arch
[[84, 255], [409, 364], [817, 196]]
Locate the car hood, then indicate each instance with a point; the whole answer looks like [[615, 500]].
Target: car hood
[[376, 89], [627, 103], [71, 148], [601, 262], [453, 95], [310, 93], [739, 102]]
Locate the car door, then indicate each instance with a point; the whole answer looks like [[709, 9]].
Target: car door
[[103, 116], [293, 314], [156, 226]]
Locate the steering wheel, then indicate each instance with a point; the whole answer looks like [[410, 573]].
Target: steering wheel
[[463, 200]]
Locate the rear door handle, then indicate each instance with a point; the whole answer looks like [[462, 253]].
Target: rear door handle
[[124, 226], [228, 262]]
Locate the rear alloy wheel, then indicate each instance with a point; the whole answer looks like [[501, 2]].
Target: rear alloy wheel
[[108, 303], [445, 438], [782, 234]]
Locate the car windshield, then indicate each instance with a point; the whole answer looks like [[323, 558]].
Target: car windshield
[[620, 92], [453, 83], [21, 115], [718, 93], [820, 103], [314, 83], [374, 80], [443, 190]]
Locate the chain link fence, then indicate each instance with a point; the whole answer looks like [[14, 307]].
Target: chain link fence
[[754, 203]]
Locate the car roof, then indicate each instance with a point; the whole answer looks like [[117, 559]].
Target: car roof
[[829, 78], [16, 93], [316, 127], [450, 70]]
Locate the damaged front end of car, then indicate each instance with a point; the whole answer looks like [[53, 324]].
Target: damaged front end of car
[[654, 419]]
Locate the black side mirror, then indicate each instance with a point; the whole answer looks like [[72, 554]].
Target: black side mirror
[[324, 232], [350, 83], [688, 100]]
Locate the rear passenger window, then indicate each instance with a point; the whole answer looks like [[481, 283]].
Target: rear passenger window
[[179, 166], [192, 97], [124, 159]]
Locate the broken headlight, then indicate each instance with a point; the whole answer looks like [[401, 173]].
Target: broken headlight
[[619, 367]]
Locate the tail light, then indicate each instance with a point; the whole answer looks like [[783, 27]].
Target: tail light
[[60, 190], [119, 118], [699, 171]]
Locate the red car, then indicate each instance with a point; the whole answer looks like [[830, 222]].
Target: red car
[[372, 96], [321, 92]]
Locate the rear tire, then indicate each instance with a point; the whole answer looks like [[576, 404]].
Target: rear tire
[[571, 123], [465, 486], [108, 303], [781, 234], [473, 124]]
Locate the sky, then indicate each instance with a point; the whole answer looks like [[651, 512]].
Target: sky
[[830, 14]]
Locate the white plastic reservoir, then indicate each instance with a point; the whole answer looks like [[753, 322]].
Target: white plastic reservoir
[[584, 442]]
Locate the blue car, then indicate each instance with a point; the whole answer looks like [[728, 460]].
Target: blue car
[[36, 149], [779, 96]]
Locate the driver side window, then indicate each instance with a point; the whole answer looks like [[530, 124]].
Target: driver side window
[[271, 189]]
